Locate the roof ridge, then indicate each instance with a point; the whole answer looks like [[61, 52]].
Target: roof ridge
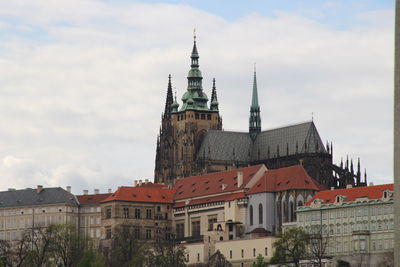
[[287, 126]]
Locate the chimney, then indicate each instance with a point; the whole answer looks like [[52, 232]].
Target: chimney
[[146, 181], [140, 182], [135, 183], [85, 192], [69, 188], [11, 189], [223, 186], [371, 184], [109, 190], [39, 188], [332, 188], [239, 179], [96, 191], [349, 186]]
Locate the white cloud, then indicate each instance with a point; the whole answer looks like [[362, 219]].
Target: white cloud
[[82, 87]]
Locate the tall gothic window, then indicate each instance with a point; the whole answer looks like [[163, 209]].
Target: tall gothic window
[[260, 213], [291, 210], [251, 215]]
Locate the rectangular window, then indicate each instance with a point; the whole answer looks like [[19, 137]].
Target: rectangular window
[[198, 257], [230, 254], [266, 251], [148, 233], [196, 116], [136, 233], [242, 253], [211, 222], [196, 228], [108, 212], [180, 230], [148, 213], [137, 213], [126, 212], [209, 117], [108, 233], [203, 116]]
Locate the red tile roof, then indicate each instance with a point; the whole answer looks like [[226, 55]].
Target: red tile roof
[[92, 199], [211, 183], [351, 194], [154, 194], [293, 177], [227, 197]]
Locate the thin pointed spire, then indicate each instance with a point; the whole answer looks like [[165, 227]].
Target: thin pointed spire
[[214, 98], [255, 118], [169, 100]]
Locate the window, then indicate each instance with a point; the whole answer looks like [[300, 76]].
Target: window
[[260, 213], [137, 213], [203, 116], [158, 208], [180, 230], [266, 251], [148, 213], [230, 254], [136, 233], [108, 212], [242, 253], [254, 252], [108, 233], [338, 229], [251, 215], [209, 117], [148, 233], [211, 222], [196, 228], [196, 116], [198, 257], [291, 211], [126, 212]]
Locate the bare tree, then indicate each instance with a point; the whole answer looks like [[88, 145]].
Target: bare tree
[[67, 246], [41, 245], [317, 246]]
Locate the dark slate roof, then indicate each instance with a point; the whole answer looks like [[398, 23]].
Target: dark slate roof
[[223, 145], [238, 146], [30, 197], [304, 135]]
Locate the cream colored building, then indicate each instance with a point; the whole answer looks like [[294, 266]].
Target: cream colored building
[[356, 223], [40, 207]]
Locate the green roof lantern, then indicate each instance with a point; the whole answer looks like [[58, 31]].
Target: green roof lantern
[[175, 105]]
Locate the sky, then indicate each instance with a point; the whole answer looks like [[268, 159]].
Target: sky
[[83, 82]]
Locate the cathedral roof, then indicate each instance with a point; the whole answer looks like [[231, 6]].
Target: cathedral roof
[[238, 146], [293, 177]]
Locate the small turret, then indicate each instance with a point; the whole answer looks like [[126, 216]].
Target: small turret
[[214, 99], [175, 105], [255, 119], [168, 102]]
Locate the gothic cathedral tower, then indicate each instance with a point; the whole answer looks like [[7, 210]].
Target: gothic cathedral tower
[[182, 129]]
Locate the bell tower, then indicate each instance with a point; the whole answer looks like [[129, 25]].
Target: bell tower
[[182, 132]]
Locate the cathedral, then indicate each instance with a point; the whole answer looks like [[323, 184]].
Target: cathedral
[[191, 140]]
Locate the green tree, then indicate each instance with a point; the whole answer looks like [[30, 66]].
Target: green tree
[[291, 247], [91, 258], [126, 250], [67, 245], [168, 253], [260, 262]]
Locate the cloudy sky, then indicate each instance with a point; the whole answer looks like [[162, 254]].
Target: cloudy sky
[[83, 82]]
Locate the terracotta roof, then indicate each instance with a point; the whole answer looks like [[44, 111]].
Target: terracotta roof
[[154, 194], [211, 183], [92, 199], [293, 177], [351, 194], [227, 197]]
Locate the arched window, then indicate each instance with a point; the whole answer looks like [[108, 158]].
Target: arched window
[[251, 215], [299, 203], [291, 212], [260, 213]]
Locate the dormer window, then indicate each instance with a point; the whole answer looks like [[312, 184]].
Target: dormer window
[[385, 194], [337, 199]]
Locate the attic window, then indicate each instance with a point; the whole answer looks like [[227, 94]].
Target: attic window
[[337, 199], [148, 196], [206, 182], [90, 198], [306, 181], [180, 186], [163, 197], [279, 183], [193, 184], [193, 190], [180, 192], [220, 180], [385, 194], [133, 195], [258, 185], [207, 188]]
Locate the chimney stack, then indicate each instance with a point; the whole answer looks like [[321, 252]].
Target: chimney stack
[[135, 183], [85, 192], [96, 191], [146, 181], [371, 184], [39, 188], [239, 179], [140, 182], [349, 186], [68, 188], [109, 190]]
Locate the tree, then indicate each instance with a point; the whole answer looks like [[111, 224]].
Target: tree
[[67, 246], [91, 258], [42, 245], [218, 260], [342, 263], [168, 253], [260, 262], [291, 247], [317, 247], [126, 250]]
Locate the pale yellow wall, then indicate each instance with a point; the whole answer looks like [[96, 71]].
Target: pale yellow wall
[[196, 253], [247, 245]]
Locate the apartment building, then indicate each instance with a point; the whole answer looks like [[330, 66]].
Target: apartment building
[[356, 224], [146, 208], [39, 207], [90, 215]]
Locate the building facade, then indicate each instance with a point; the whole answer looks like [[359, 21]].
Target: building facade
[[356, 224], [21, 210], [191, 140]]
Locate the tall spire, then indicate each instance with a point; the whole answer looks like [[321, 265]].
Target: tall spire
[[255, 119], [169, 99], [214, 99]]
